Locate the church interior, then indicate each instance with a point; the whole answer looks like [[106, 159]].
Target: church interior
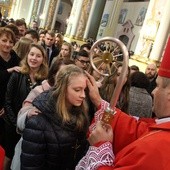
[[142, 25]]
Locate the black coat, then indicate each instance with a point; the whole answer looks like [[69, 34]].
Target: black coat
[[18, 88], [151, 86], [2, 23], [4, 74], [47, 143], [55, 52]]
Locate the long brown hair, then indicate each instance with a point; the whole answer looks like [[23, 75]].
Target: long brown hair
[[70, 50], [43, 71], [109, 84], [77, 113], [55, 68], [22, 47], [60, 36]]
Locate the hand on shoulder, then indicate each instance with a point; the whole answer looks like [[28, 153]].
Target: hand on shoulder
[[16, 68]]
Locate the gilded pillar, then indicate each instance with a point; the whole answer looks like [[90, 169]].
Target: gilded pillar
[[70, 19], [86, 6], [35, 10], [44, 15], [74, 19], [50, 15], [93, 6], [55, 15], [94, 18]]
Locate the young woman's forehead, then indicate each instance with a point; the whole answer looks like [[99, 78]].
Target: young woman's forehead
[[78, 78]]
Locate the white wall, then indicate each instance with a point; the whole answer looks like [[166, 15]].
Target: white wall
[[133, 10]]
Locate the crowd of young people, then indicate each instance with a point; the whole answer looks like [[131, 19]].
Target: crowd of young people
[[56, 104]]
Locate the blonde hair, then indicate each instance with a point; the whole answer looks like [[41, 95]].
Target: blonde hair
[[109, 84], [43, 71], [70, 50], [60, 36], [77, 113], [22, 47]]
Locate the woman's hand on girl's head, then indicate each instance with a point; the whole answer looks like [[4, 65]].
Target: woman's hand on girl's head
[[93, 90]]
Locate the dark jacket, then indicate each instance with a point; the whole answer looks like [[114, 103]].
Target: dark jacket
[[152, 86], [55, 52], [4, 74], [18, 88], [48, 144], [2, 23]]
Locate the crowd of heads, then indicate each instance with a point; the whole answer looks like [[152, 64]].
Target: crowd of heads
[[65, 52], [44, 55]]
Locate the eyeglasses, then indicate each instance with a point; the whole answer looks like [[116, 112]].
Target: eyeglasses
[[84, 62]]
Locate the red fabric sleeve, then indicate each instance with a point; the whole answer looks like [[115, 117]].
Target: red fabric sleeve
[[105, 168], [126, 130], [2, 155]]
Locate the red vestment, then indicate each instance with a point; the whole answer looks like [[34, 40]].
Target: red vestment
[[138, 146], [2, 155]]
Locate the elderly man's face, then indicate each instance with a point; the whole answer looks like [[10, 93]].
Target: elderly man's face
[[151, 71]]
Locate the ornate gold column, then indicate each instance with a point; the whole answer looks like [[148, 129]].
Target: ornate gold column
[[83, 19], [74, 19], [35, 10], [6, 7], [55, 14], [51, 11], [94, 19], [90, 19], [44, 14]]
